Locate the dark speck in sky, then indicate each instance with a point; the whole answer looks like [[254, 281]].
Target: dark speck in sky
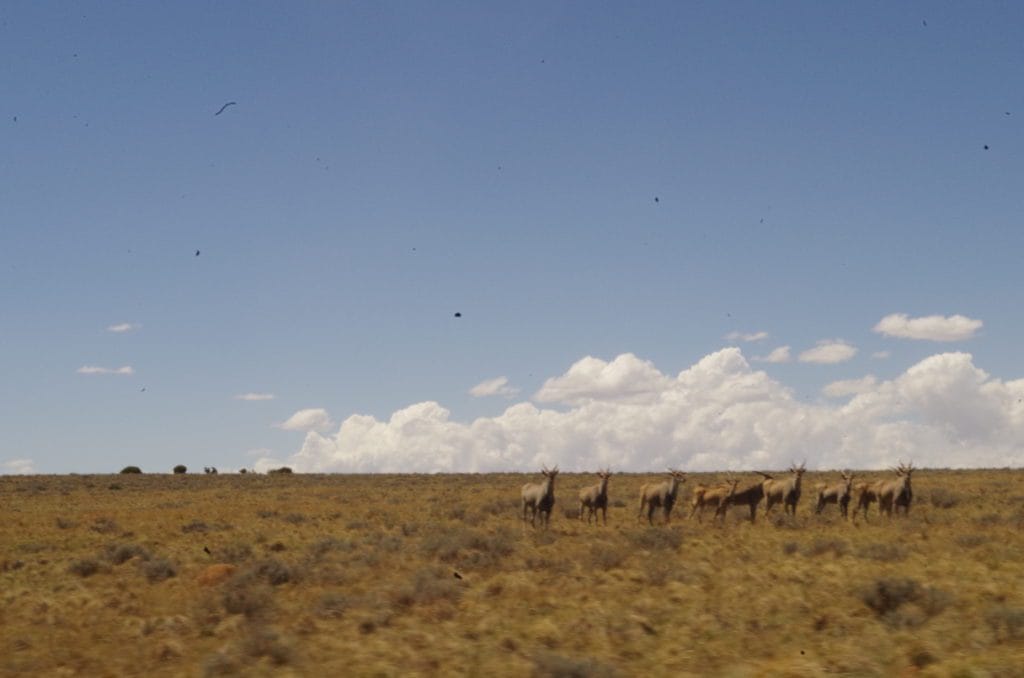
[[924, 23], [985, 147], [230, 103], [197, 253], [458, 315], [656, 199]]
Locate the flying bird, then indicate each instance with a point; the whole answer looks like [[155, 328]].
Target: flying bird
[[206, 550], [985, 147], [197, 253], [458, 315], [656, 199], [230, 103], [456, 575]]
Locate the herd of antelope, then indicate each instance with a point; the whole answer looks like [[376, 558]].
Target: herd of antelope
[[894, 493]]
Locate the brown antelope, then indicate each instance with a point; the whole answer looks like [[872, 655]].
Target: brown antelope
[[785, 491], [867, 494], [596, 497], [905, 497], [711, 497], [749, 496], [890, 492], [838, 493], [663, 495], [540, 498]]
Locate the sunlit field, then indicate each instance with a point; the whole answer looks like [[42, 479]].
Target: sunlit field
[[404, 575]]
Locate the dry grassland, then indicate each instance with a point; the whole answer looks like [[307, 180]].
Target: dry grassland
[[355, 575]]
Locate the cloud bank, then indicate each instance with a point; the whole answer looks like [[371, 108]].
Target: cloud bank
[[717, 414], [22, 467], [752, 336], [931, 328], [254, 396]]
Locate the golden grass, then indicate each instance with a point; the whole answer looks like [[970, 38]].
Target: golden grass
[[355, 575]]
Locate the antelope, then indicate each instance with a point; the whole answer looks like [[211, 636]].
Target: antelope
[[663, 495], [867, 494], [906, 496], [838, 493], [540, 498], [749, 496], [596, 497], [785, 491], [704, 496], [892, 492]]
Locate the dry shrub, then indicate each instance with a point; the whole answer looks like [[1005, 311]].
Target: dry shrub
[[883, 551], [235, 553], [159, 570], [275, 573], [608, 556], [219, 664], [819, 547], [428, 585], [550, 665], [970, 541], [104, 526], [332, 606], [85, 568], [247, 596], [330, 545], [571, 513], [65, 524], [1007, 623], [656, 539], [195, 526], [942, 498], [261, 641], [903, 602], [469, 547], [120, 553], [497, 507], [264, 513], [790, 547], [294, 518]]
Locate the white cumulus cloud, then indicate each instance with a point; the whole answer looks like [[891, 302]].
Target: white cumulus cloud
[[932, 327], [778, 355], [121, 328], [254, 396], [92, 369], [313, 419], [22, 467], [848, 387], [625, 377], [829, 352], [720, 413], [491, 387], [881, 355], [740, 336]]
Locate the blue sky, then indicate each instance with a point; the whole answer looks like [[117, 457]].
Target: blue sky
[[817, 167]]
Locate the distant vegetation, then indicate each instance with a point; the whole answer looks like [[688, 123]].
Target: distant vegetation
[[181, 468], [283, 469], [131, 469], [437, 575]]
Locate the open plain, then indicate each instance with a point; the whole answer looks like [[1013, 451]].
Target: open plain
[[166, 575]]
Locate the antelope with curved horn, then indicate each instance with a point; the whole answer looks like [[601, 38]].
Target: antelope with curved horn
[[660, 495], [540, 498], [595, 497], [786, 491], [837, 493], [906, 496], [890, 492]]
